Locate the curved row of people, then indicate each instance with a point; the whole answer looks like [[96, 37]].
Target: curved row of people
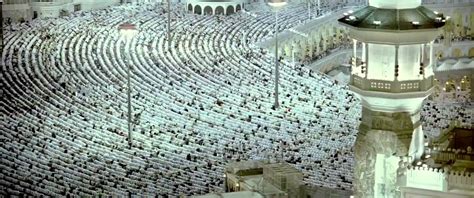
[[205, 101]]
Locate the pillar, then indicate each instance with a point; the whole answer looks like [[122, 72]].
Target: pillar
[[471, 86], [1, 29], [364, 53], [396, 59], [432, 59], [456, 85], [365, 49], [355, 48], [318, 48], [422, 59], [383, 137], [442, 87]]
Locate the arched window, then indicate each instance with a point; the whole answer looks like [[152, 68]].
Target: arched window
[[208, 10], [237, 8], [190, 7], [457, 53], [219, 10], [471, 53], [230, 10]]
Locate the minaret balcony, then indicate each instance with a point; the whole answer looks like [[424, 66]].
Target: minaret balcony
[[408, 86]]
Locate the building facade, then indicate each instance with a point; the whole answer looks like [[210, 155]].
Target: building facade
[[215, 7], [25, 10]]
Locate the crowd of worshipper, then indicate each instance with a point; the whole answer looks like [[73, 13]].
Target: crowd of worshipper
[[454, 95], [203, 102], [454, 38], [443, 1]]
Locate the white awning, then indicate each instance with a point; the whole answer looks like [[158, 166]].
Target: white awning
[[446, 65]]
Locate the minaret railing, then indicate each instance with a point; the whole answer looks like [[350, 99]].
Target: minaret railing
[[392, 86]]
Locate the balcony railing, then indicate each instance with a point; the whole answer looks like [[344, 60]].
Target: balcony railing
[[392, 86], [448, 155]]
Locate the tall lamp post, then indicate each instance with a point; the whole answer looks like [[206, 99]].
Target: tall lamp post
[[293, 51], [127, 32], [169, 25], [1, 22], [309, 9], [276, 4]]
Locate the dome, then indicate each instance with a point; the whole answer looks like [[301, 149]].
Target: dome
[[395, 4]]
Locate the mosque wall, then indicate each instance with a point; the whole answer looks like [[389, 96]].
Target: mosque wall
[[92, 4], [17, 11]]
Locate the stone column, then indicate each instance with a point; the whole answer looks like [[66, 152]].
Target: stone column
[[325, 42], [396, 61], [441, 85], [365, 49], [355, 48], [457, 84], [422, 54], [471, 86], [432, 55], [456, 90], [318, 48]]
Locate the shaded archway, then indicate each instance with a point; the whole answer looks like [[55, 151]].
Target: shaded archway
[[440, 54], [230, 10], [457, 53], [190, 7], [321, 43], [197, 10], [237, 8], [471, 52], [219, 10], [208, 10]]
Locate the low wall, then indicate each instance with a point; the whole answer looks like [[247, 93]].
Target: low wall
[[437, 180], [422, 193]]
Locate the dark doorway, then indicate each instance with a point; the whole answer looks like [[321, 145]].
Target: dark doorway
[[77, 7], [197, 10]]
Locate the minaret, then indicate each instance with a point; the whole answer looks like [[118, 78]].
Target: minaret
[[392, 77]]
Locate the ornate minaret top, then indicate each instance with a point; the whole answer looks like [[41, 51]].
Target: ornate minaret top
[[394, 22]]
